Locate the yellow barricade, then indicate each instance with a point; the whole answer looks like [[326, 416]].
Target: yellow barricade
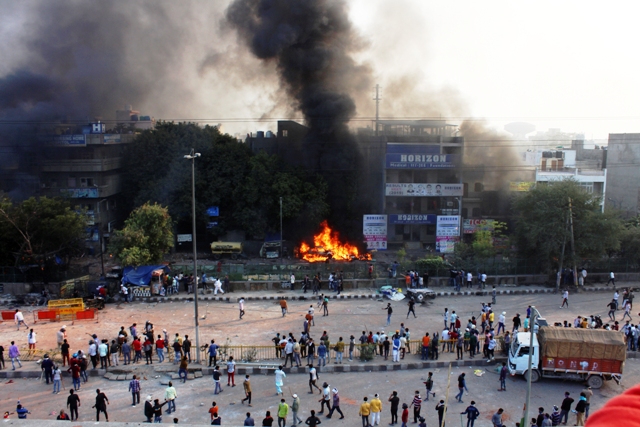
[[67, 306]]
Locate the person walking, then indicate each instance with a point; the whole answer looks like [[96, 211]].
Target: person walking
[[170, 395], [134, 388], [429, 385], [472, 413], [325, 306], [280, 376], [31, 340], [73, 402], [565, 299], [462, 386], [627, 311], [160, 349], [503, 377], [216, 380], [114, 350], [496, 419], [183, 369], [395, 402], [313, 378], [283, 411], [241, 307], [295, 408], [365, 410], [57, 379], [440, 407], [247, 390], [336, 404], [47, 368], [412, 306], [587, 394], [612, 279], [18, 317], [148, 409], [581, 407], [157, 410], [325, 400], [101, 405], [389, 310], [417, 405], [14, 355], [283, 306]]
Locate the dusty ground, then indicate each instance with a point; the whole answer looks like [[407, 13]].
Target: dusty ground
[[260, 323]]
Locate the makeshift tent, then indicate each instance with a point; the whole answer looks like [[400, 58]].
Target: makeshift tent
[[141, 276]]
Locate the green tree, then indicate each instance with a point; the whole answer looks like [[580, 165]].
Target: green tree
[[39, 229], [541, 224], [483, 244], [146, 237], [630, 240]]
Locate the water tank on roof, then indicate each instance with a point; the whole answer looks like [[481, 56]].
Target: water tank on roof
[[134, 117], [145, 118], [260, 134], [269, 134]]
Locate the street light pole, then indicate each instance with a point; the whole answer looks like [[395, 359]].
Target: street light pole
[[281, 247], [192, 156], [532, 323]]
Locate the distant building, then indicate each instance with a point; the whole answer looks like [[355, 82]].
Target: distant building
[[623, 170], [129, 117]]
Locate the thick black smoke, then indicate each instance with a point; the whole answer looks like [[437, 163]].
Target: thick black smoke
[[311, 43], [73, 61]]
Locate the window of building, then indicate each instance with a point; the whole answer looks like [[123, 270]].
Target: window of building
[[86, 182], [586, 186], [285, 133], [71, 182], [477, 187], [465, 190], [464, 213], [477, 213], [431, 230], [399, 229]]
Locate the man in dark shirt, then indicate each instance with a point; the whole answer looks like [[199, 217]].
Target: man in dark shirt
[[73, 401], [157, 410], [313, 421], [64, 350], [395, 401], [101, 405], [186, 347], [565, 408]]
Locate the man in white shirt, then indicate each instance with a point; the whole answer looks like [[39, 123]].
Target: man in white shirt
[[501, 320], [616, 295], [217, 287], [612, 279], [469, 279], [19, 319], [280, 375]]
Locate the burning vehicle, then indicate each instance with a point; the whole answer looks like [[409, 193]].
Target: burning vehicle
[[327, 246]]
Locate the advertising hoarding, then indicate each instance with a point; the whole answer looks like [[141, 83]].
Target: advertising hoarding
[[424, 190], [446, 244], [470, 226], [520, 185], [413, 219], [374, 229], [448, 225]]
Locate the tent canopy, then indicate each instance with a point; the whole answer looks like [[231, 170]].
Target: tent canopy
[[141, 276]]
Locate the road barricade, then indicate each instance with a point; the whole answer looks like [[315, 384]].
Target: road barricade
[[8, 315], [50, 315]]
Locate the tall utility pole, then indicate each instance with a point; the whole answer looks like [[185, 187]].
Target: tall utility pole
[[192, 156], [281, 247], [573, 245], [377, 99]]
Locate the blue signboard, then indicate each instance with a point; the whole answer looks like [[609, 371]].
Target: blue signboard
[[64, 140], [213, 211], [420, 161], [413, 219]]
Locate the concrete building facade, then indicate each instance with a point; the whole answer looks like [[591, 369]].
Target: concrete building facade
[[623, 170]]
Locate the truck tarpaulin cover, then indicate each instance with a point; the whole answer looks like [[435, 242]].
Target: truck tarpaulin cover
[[140, 276], [568, 343]]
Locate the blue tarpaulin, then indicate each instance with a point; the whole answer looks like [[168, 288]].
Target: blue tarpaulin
[[140, 276]]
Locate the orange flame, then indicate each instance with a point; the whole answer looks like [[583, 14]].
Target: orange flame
[[327, 246]]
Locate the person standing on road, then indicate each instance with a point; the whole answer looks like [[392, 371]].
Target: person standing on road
[[587, 394], [496, 419], [326, 398], [429, 385], [395, 401], [280, 376], [312, 420], [376, 409], [134, 388], [517, 322], [389, 310], [216, 380], [440, 408], [73, 401], [157, 410], [186, 347], [313, 378], [565, 408], [446, 318], [170, 395], [249, 422], [396, 348], [580, 409], [325, 306], [213, 353], [472, 413], [616, 295], [283, 306], [503, 377], [14, 355], [365, 410], [160, 349], [627, 311], [231, 372], [101, 405], [283, 411]]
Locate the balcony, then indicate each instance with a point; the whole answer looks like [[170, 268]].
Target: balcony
[[82, 165]]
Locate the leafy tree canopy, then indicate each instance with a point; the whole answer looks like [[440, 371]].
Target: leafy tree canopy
[[542, 224], [39, 229], [146, 237]]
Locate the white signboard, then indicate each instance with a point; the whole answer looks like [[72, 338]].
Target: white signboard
[[374, 229], [184, 238], [448, 225], [424, 190]]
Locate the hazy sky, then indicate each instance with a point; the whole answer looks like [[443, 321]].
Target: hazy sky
[[570, 65]]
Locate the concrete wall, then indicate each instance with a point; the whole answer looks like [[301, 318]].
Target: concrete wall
[[623, 172]]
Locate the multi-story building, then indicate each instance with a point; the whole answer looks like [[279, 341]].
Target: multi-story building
[[87, 168], [623, 170]]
